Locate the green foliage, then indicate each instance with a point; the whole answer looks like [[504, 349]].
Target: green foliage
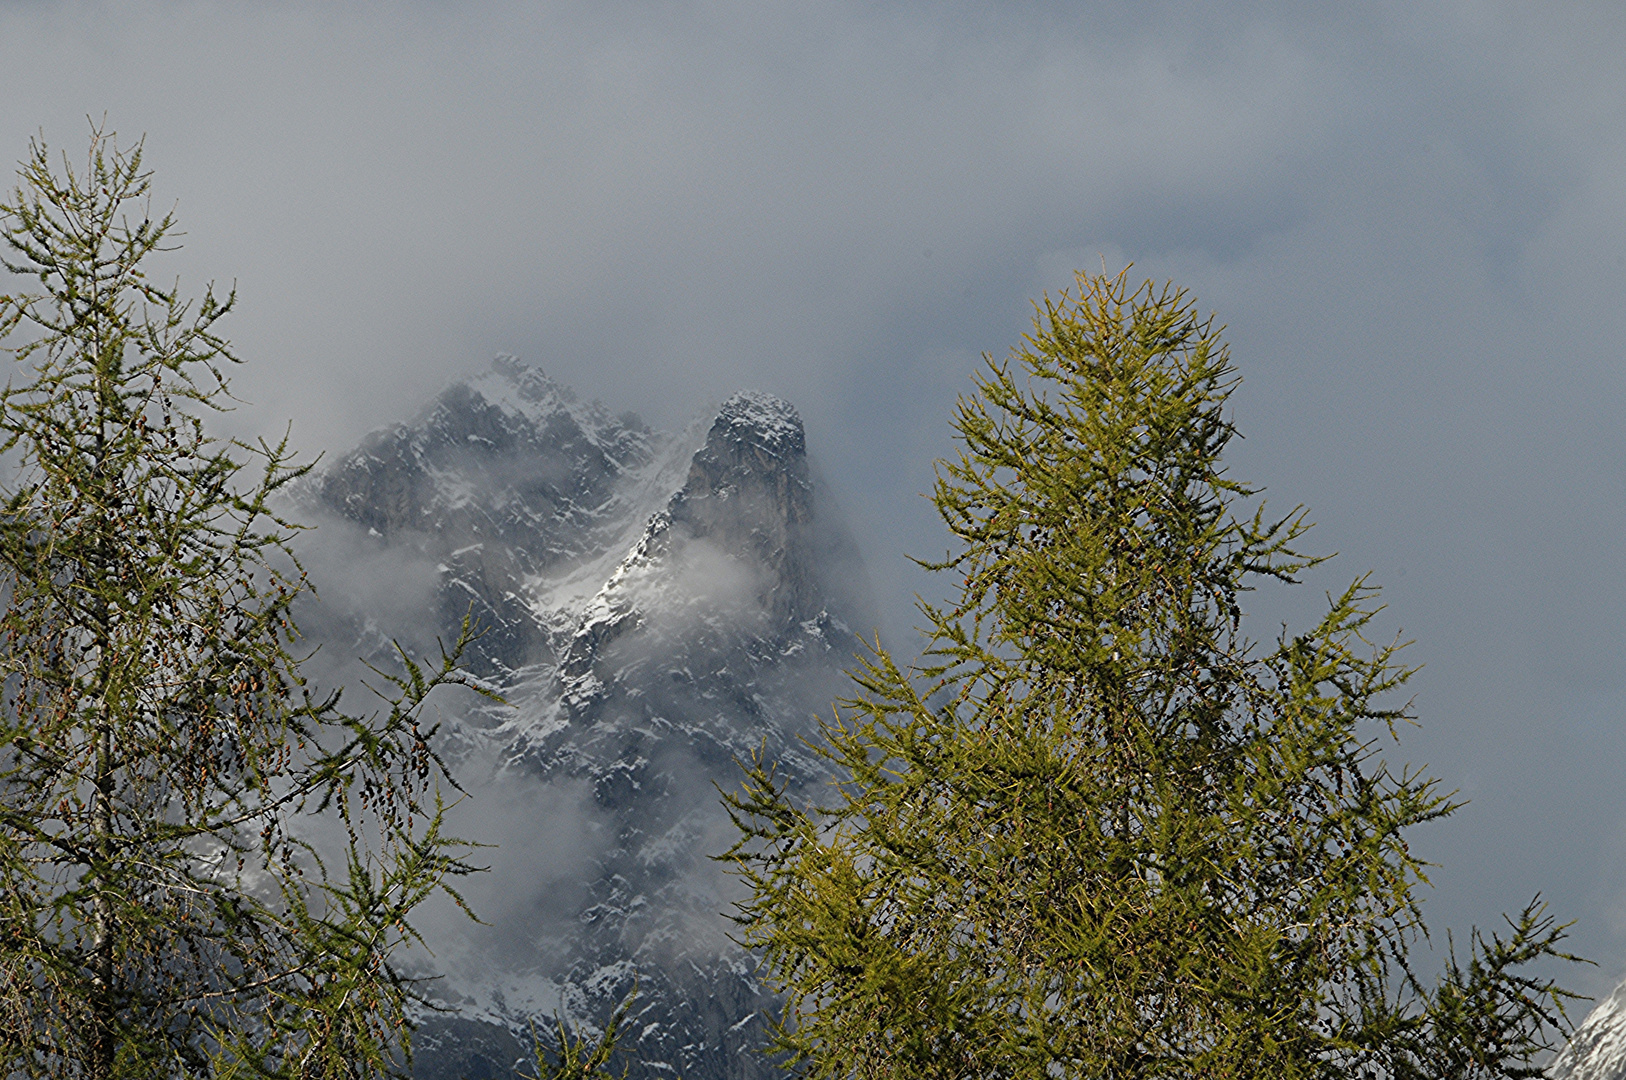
[[164, 768], [578, 1059], [1098, 832]]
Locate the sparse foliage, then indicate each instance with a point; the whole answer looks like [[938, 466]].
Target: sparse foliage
[[1098, 831], [580, 1059], [165, 771]]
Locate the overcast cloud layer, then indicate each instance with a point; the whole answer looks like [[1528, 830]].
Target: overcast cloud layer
[[1412, 218]]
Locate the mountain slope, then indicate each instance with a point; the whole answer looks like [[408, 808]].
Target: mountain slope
[[1597, 1050]]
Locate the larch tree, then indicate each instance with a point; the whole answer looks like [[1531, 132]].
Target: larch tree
[[1098, 831], [167, 905]]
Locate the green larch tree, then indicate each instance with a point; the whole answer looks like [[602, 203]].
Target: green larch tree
[[1097, 831], [165, 909]]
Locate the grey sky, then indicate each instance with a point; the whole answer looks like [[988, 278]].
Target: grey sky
[[1412, 217]]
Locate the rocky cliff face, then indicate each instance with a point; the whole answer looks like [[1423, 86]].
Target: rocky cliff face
[[656, 607]]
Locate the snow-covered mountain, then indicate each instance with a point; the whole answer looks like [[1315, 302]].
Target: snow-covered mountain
[[1597, 1050], [656, 606]]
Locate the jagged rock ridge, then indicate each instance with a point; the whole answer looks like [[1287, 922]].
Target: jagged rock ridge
[[658, 606]]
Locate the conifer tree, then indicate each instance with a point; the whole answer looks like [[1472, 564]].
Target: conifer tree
[[1097, 831], [581, 1059], [165, 907]]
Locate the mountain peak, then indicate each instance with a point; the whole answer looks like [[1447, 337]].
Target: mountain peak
[[656, 607], [766, 421], [521, 390]]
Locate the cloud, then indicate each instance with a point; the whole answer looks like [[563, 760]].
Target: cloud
[[364, 593], [543, 839]]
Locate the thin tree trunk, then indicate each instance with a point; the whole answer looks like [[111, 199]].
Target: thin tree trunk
[[102, 951], [102, 947]]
